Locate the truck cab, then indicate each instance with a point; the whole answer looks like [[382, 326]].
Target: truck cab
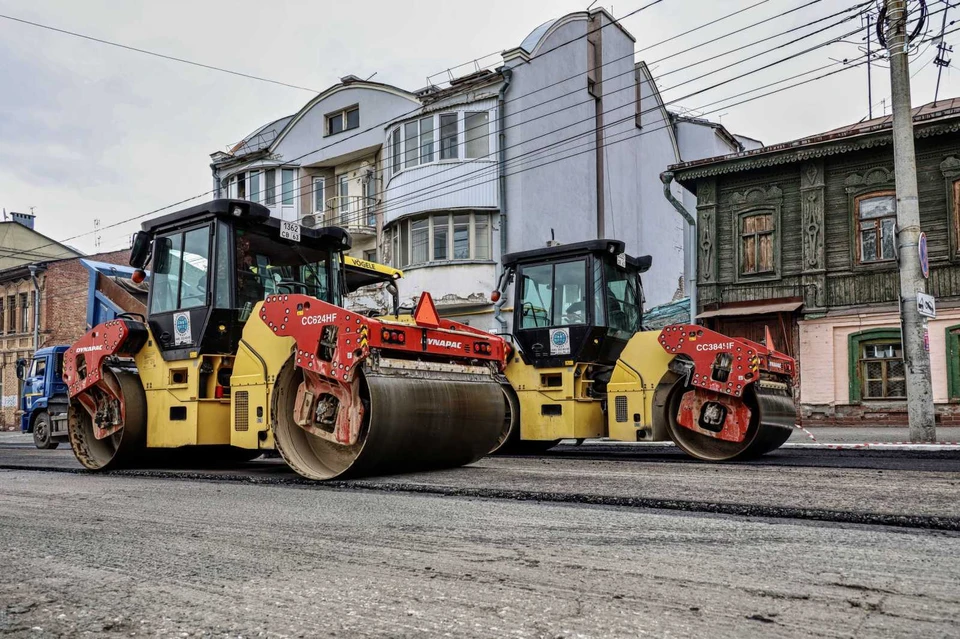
[[43, 400]]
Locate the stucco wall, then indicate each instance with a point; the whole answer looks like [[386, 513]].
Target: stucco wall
[[308, 132], [824, 367]]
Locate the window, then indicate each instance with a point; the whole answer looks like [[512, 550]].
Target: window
[[1, 315], [34, 304], [481, 240], [882, 371], [39, 367], [241, 186], [411, 140], [24, 313], [11, 313], [440, 237], [270, 182], [395, 150], [255, 186], [318, 205], [554, 295], [264, 267], [476, 134], [344, 185], [370, 204], [180, 271], [287, 186], [343, 120], [448, 136], [370, 256], [536, 296], [441, 231], [756, 244], [426, 140], [419, 240], [622, 299], [224, 243], [876, 227]]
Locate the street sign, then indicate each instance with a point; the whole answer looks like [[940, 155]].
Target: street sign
[[924, 259], [926, 305]]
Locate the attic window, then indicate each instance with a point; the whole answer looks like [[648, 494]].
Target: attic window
[[343, 120]]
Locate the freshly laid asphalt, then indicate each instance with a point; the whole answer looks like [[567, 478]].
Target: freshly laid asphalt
[[598, 540]]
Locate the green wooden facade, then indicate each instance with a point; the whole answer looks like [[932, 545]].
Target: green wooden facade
[[809, 188]]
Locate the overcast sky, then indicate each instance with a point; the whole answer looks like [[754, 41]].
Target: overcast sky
[[91, 131]]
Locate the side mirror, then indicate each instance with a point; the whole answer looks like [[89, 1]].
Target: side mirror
[[140, 249], [21, 368], [162, 261]]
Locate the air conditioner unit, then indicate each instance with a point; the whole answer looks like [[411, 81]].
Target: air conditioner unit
[[308, 221]]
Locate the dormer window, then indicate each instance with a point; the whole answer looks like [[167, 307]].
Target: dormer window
[[343, 120]]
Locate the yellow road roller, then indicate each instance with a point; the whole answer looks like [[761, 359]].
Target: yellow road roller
[[583, 367], [246, 346]]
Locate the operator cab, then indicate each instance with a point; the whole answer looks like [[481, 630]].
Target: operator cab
[[576, 303], [213, 262]]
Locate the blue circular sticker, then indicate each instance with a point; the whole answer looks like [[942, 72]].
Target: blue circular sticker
[[182, 325], [559, 338]]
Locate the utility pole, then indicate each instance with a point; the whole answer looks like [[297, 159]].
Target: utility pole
[[916, 358], [869, 64]]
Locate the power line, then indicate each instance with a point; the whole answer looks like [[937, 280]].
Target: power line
[[489, 155], [156, 54], [341, 140]]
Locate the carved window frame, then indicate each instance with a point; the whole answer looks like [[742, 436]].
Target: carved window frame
[[855, 225], [766, 276], [950, 168]]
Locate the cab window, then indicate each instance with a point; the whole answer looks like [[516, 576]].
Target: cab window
[[554, 295], [38, 368], [622, 299], [180, 278], [264, 267]]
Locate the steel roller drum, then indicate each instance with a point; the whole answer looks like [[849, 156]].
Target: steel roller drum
[[416, 420], [772, 422], [122, 448]]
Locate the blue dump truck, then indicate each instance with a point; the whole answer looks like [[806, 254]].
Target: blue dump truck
[[43, 398]]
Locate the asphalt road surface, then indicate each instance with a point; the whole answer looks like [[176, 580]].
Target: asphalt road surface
[[581, 542]]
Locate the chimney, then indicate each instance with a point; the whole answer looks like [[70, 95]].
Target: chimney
[[23, 218]]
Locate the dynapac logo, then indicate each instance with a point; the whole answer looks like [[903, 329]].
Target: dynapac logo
[[726, 346], [319, 319], [445, 343], [89, 349]]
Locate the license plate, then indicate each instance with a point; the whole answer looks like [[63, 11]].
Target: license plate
[[290, 231]]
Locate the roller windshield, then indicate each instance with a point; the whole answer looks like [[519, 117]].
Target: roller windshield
[[621, 298], [264, 267], [180, 278]]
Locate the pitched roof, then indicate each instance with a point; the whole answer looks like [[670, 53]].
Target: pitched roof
[[797, 150]]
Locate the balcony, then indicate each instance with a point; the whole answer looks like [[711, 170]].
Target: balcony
[[357, 214]]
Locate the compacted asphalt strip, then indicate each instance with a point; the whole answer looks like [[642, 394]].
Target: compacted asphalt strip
[[129, 556], [913, 489]]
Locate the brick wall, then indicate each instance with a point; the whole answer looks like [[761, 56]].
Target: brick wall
[[63, 318], [64, 305]]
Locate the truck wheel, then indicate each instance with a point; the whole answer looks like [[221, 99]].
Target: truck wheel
[[41, 433]]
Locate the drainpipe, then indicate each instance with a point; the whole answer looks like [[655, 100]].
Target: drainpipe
[[502, 151], [36, 306], [502, 181], [215, 171], [689, 243]]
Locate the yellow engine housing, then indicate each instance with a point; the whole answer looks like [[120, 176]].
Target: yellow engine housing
[[556, 403], [182, 409]]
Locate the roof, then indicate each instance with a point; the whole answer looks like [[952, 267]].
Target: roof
[[261, 138], [876, 130], [614, 247], [762, 309], [532, 43]]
